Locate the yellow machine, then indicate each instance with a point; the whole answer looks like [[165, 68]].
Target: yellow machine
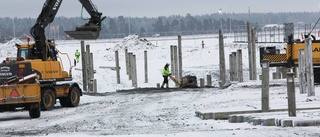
[[290, 58], [36, 77]]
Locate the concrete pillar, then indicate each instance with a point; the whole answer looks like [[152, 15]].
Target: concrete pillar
[[172, 60], [309, 67], [222, 64], [130, 65], [201, 82], [158, 85], [209, 81], [302, 72], [84, 69], [180, 57], [145, 67], [265, 86], [134, 72], [175, 58], [234, 66], [239, 65], [127, 60], [249, 50], [253, 50], [91, 66], [291, 95], [92, 86], [230, 67], [117, 67], [88, 67]]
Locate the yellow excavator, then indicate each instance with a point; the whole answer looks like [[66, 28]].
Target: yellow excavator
[[36, 77]]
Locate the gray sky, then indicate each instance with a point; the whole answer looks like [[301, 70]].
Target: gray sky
[[155, 8]]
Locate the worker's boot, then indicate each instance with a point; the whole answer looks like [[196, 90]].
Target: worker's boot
[[162, 85], [167, 85]]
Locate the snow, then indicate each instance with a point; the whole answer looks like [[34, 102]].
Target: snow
[[157, 114]]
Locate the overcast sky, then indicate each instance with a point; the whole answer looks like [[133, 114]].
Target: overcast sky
[[156, 8]]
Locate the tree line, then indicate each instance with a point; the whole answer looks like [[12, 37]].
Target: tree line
[[121, 26]]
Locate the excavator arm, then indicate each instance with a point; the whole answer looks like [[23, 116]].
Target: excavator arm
[[90, 30]]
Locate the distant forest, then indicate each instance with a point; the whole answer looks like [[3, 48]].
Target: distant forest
[[121, 26]]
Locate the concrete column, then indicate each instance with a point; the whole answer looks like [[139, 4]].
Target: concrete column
[[239, 65], [130, 65], [179, 57], [291, 95], [265, 86], [158, 85], [249, 50], [134, 72], [201, 82], [88, 64], [234, 66], [175, 57], [222, 64], [230, 67], [95, 89], [302, 72], [117, 67], [172, 60], [127, 60], [91, 66], [145, 67], [253, 50], [309, 67], [84, 69], [209, 81]]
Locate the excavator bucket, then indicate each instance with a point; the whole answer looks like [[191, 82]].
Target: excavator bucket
[[85, 33]]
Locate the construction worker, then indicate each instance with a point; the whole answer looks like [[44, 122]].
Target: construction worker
[[77, 54], [165, 73]]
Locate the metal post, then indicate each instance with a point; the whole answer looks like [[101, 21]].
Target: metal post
[[302, 72], [309, 67], [222, 63], [239, 65], [291, 95], [117, 67], [145, 67], [84, 69], [265, 86]]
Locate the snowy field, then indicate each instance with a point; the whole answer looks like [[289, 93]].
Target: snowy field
[[167, 114]]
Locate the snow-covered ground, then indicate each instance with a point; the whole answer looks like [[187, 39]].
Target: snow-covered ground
[[167, 114]]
